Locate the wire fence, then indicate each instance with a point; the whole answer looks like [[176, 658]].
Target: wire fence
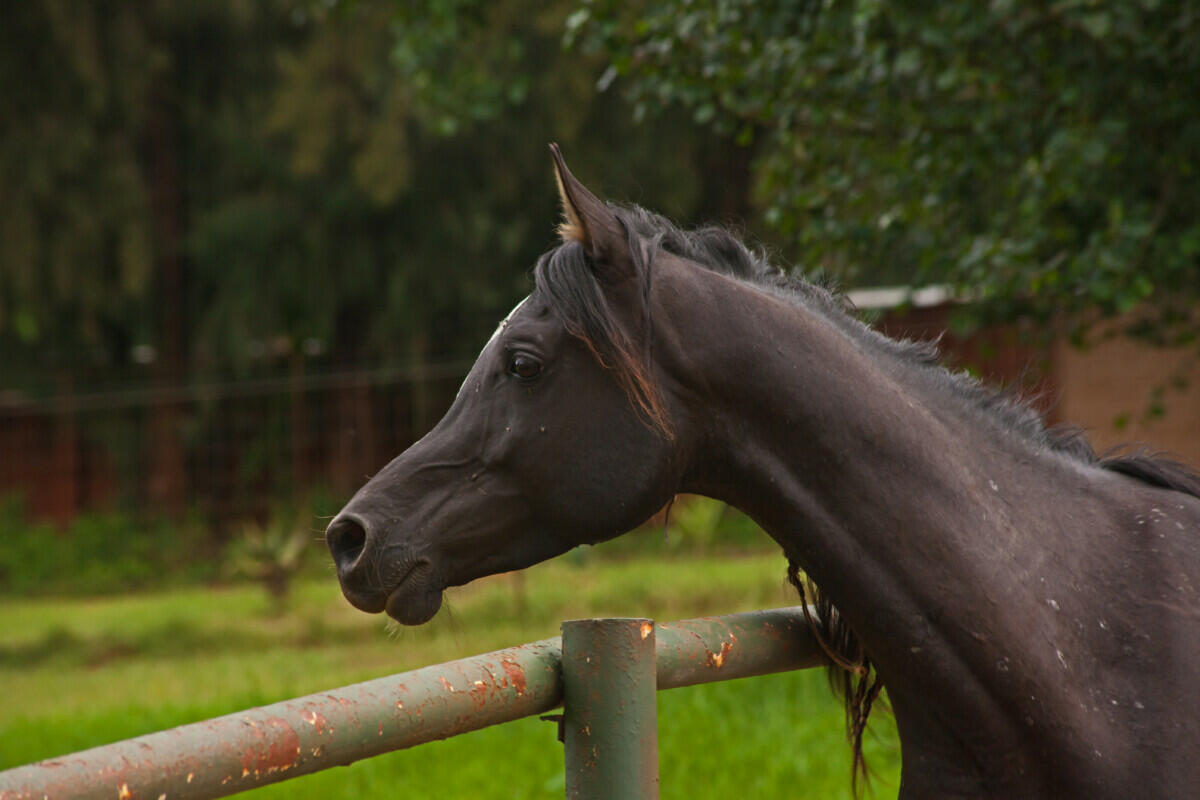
[[223, 449]]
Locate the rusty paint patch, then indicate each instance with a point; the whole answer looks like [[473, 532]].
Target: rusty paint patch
[[316, 720], [717, 659], [400, 704], [190, 776], [449, 687], [487, 690], [123, 792], [479, 695], [516, 675], [647, 629], [276, 748]]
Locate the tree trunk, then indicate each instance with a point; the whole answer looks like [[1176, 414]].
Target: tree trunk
[[65, 504], [167, 475], [298, 421]]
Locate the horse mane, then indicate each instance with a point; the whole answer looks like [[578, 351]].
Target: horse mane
[[1154, 469], [563, 276]]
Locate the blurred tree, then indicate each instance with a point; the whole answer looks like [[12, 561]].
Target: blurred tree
[[216, 179], [78, 232], [214, 189], [417, 133], [1043, 156]]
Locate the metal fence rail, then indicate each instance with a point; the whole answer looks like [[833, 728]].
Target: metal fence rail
[[605, 704]]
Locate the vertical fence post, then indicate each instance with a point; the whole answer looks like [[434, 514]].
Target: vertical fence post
[[610, 718]]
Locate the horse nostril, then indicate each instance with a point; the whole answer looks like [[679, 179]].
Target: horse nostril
[[346, 537]]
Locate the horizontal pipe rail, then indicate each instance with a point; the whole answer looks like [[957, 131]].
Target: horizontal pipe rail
[[230, 754]]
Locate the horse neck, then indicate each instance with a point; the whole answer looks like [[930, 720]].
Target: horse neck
[[818, 436], [895, 499]]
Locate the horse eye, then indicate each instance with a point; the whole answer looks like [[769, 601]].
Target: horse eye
[[524, 367]]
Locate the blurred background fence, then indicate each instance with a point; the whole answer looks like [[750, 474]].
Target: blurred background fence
[[220, 449]]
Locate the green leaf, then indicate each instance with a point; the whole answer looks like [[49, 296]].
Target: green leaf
[[1097, 24], [25, 324]]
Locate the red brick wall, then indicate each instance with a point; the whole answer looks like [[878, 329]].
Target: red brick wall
[[1106, 389]]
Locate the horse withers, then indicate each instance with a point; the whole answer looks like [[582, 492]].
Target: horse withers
[[1031, 608]]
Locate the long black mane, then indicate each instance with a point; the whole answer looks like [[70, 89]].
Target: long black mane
[[560, 274], [563, 277]]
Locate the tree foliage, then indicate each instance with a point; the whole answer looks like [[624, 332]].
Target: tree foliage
[[72, 184], [1043, 156], [197, 193], [223, 183]]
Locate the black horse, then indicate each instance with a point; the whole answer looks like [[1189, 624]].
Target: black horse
[[1031, 608]]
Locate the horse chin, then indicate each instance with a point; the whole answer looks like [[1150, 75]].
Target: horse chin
[[414, 601]]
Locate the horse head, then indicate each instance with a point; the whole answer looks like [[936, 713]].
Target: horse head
[[559, 436]]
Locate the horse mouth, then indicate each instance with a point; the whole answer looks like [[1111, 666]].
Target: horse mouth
[[414, 599]]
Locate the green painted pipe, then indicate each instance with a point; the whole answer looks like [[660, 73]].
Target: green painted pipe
[[230, 754], [610, 721]]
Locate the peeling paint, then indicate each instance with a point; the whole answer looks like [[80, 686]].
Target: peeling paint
[[647, 629], [515, 673], [276, 748], [717, 659], [316, 720], [485, 691]]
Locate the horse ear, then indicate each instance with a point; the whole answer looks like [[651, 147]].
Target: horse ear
[[587, 220]]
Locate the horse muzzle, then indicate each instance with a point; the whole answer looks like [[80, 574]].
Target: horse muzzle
[[376, 576]]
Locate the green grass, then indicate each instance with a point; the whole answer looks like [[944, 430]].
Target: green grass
[[82, 672]]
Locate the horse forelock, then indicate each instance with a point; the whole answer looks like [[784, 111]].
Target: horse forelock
[[566, 280]]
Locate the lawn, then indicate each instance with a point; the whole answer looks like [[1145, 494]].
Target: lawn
[[83, 672]]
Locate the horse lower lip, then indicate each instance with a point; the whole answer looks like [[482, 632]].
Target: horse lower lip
[[394, 598], [399, 585], [414, 599], [392, 606]]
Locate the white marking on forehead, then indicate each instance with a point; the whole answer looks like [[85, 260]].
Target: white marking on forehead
[[504, 323], [496, 333]]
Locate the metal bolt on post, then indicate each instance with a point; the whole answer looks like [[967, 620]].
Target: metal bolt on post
[[610, 717]]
